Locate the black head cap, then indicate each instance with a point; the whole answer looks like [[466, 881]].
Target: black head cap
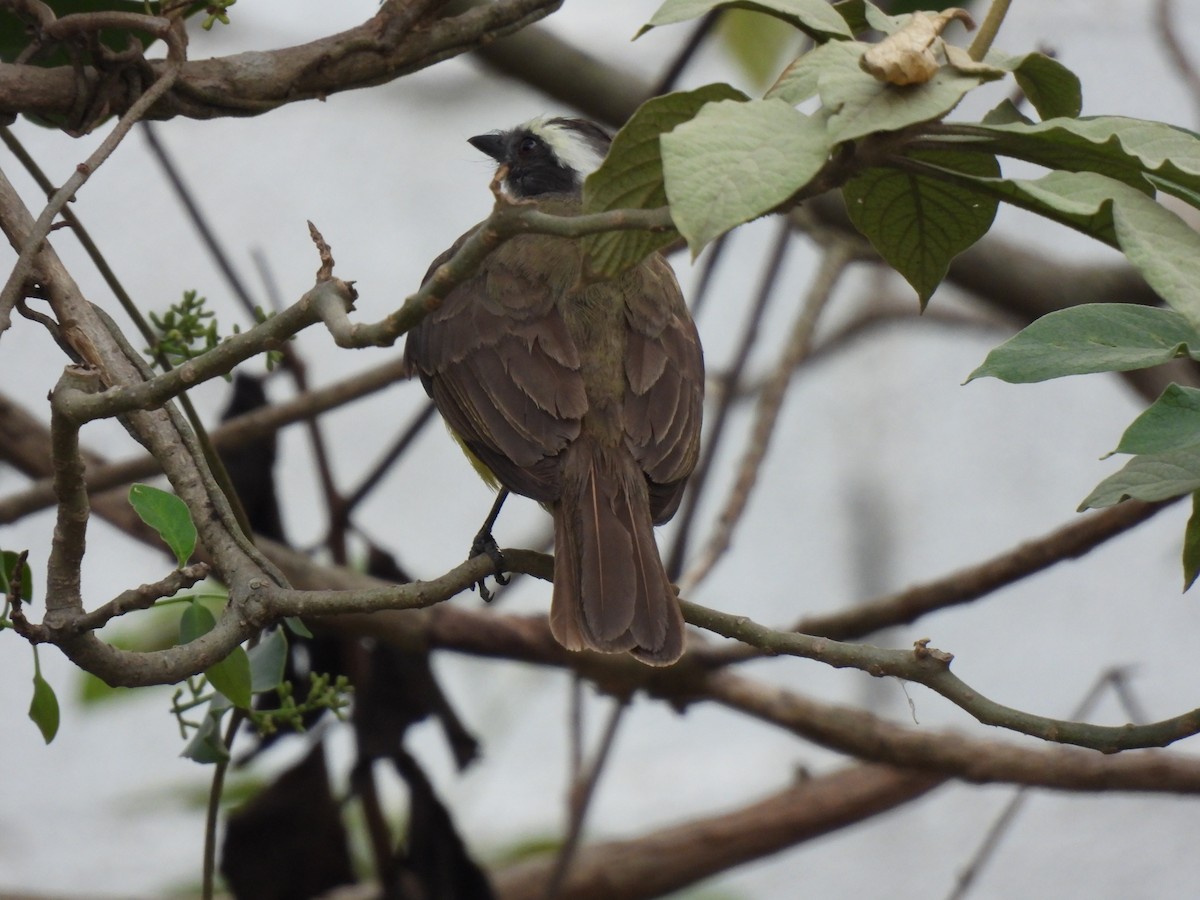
[[547, 155]]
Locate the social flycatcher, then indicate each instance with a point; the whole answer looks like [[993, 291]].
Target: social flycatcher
[[584, 395]]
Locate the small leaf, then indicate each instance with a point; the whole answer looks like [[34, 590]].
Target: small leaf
[[1171, 422], [196, 620], [1191, 544], [43, 708], [920, 223], [231, 676], [737, 161], [1151, 477], [296, 626], [631, 177], [1093, 337], [8, 573], [816, 18], [267, 661], [1050, 87], [169, 516], [207, 746]]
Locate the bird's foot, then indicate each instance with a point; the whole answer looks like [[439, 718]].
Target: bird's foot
[[485, 543]]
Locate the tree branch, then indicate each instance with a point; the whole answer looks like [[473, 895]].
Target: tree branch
[[396, 41]]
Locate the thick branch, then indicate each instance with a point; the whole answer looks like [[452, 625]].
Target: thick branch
[[391, 44], [670, 859]]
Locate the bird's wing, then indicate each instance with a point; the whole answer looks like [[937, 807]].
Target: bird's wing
[[503, 371], [664, 372]]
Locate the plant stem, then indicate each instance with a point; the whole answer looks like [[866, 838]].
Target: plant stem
[[987, 31]]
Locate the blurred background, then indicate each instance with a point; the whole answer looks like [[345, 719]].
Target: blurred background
[[885, 471]]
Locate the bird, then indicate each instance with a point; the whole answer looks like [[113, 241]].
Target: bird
[[585, 395]]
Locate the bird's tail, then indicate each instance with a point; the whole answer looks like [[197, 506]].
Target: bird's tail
[[611, 592]]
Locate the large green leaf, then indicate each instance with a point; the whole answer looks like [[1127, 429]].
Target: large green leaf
[[169, 516], [1171, 422], [737, 161], [631, 176], [1159, 244], [759, 45], [1122, 148], [815, 18], [1150, 477], [919, 223], [799, 80], [859, 104], [1093, 337]]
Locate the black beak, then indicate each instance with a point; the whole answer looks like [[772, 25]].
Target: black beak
[[491, 144]]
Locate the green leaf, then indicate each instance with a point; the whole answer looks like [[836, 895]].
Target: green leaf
[[231, 676], [799, 80], [1171, 422], [737, 161], [1050, 87], [1122, 148], [860, 105], [196, 620], [862, 15], [1093, 337], [1191, 544], [43, 708], [207, 746], [816, 18], [8, 572], [917, 223], [1151, 477], [631, 177], [1159, 244], [296, 626], [267, 661], [758, 44], [169, 516]]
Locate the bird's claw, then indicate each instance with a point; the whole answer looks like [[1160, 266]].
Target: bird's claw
[[486, 544]]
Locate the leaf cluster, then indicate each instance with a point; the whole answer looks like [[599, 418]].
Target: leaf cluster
[[923, 188]]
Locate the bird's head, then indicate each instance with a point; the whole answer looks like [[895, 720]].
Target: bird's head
[[546, 155]]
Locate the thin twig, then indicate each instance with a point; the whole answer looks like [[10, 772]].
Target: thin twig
[[1114, 678], [718, 419], [930, 667], [176, 41], [581, 793], [833, 264]]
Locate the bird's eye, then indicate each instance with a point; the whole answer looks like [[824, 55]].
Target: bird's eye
[[528, 147]]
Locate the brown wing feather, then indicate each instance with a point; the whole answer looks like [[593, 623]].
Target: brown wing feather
[[664, 371], [503, 371]]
